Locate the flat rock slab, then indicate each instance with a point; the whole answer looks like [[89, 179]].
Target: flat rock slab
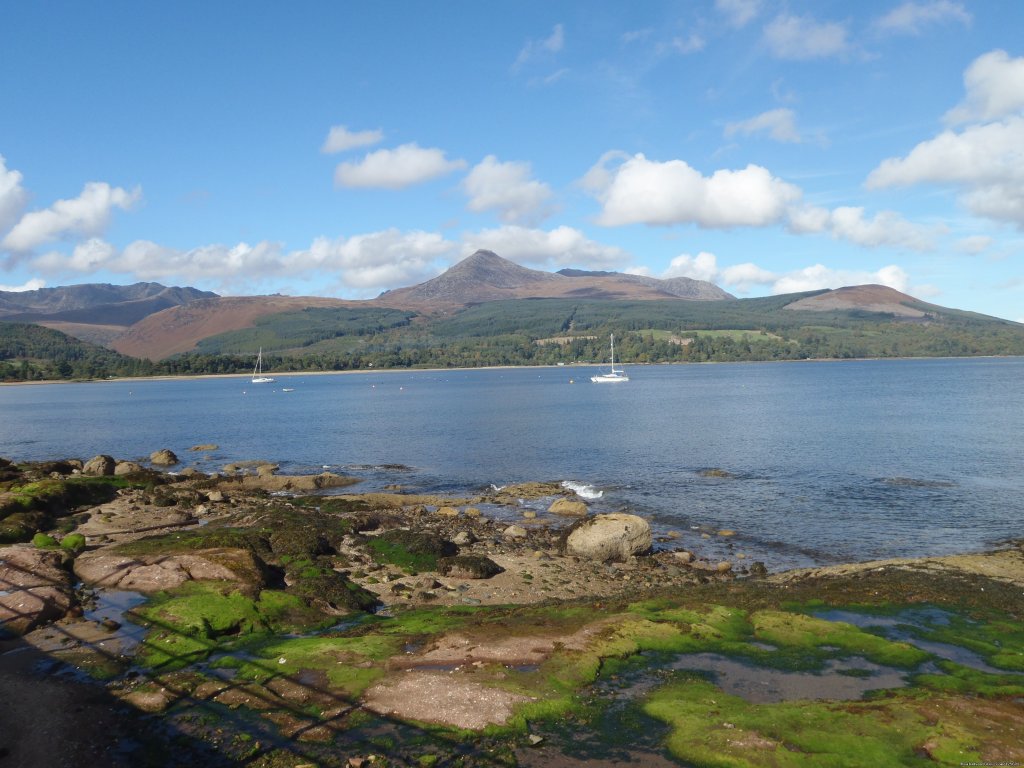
[[457, 649], [34, 588], [454, 700], [154, 573]]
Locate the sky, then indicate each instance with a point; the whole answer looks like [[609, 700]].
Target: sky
[[346, 148]]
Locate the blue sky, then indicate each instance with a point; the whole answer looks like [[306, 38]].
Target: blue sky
[[343, 148]]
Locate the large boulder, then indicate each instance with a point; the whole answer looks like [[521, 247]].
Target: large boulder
[[568, 507], [101, 465], [35, 588], [127, 468], [609, 538], [165, 457]]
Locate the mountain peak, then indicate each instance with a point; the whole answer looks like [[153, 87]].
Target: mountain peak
[[482, 276]]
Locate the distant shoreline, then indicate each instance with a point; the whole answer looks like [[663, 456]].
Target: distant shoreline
[[567, 366]]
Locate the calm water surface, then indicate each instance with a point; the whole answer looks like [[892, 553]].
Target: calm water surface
[[829, 461]]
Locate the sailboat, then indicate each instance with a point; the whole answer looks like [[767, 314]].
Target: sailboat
[[614, 375], [257, 372]]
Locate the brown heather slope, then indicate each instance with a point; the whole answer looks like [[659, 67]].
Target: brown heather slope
[[868, 298], [485, 276], [179, 329]]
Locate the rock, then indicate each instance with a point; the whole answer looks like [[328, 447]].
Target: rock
[[463, 538], [683, 556], [101, 465], [163, 458], [274, 483], [190, 472], [758, 569], [468, 567], [215, 496], [727, 532], [569, 508], [148, 701], [471, 512], [127, 468], [205, 447], [447, 511], [514, 532], [529, 514], [35, 589], [614, 537], [153, 573], [266, 470], [724, 567]]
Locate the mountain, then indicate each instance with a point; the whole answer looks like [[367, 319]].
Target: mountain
[[95, 303], [878, 299], [683, 287], [486, 276], [94, 312]]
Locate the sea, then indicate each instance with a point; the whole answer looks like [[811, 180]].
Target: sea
[[807, 463]]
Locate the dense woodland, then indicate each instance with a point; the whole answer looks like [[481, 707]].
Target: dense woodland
[[526, 332]]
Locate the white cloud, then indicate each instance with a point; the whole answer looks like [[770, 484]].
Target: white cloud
[[340, 138], [801, 38], [819, 276], [886, 228], [551, 44], [974, 244], [374, 261], [780, 124], [746, 277], [994, 85], [506, 188], [911, 17], [650, 192], [984, 161], [559, 247], [692, 43], [13, 196], [362, 264], [738, 13], [703, 266], [84, 216], [31, 285], [396, 168]]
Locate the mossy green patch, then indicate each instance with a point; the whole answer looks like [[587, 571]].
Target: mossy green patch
[[960, 679], [411, 550], [1000, 641], [711, 728], [189, 623], [806, 633]]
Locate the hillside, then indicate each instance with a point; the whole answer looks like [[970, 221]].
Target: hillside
[[485, 277], [180, 329], [29, 351], [94, 303]]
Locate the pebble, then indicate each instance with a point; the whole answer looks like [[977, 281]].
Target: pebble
[[724, 567], [529, 514]]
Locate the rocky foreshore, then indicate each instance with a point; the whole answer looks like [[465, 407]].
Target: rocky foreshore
[[295, 581]]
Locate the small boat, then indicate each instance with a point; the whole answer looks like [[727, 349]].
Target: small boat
[[288, 389], [615, 375], [257, 372]]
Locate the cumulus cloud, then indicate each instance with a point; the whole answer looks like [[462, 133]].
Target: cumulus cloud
[[396, 168], [885, 228], [642, 191], [506, 188], [376, 260], [703, 266], [779, 124], [13, 196], [551, 44], [994, 85], [31, 285], [363, 264], [559, 247], [747, 277], [738, 13], [983, 161], [819, 276], [911, 18], [801, 38], [84, 216], [340, 138]]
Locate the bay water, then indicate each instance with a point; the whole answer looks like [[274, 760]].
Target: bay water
[[809, 463]]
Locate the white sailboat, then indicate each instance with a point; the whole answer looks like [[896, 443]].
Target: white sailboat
[[614, 376], [257, 372]]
